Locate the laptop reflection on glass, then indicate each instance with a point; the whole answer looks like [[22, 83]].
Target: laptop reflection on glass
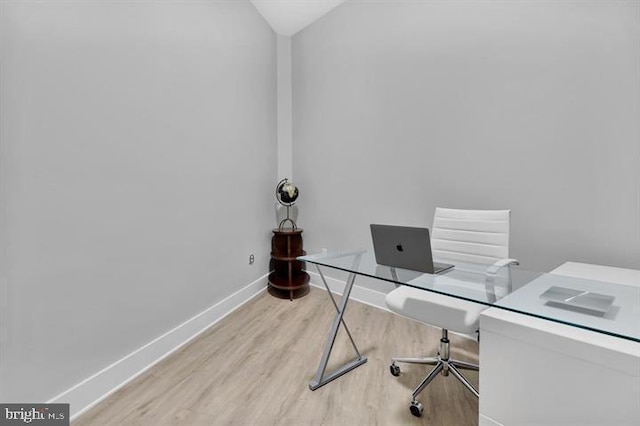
[[405, 247]]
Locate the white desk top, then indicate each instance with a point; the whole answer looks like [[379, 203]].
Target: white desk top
[[575, 270], [599, 273]]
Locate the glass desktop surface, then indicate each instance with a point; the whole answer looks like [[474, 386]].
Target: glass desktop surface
[[512, 288]]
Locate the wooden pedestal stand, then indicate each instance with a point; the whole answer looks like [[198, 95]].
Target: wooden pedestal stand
[[287, 273]]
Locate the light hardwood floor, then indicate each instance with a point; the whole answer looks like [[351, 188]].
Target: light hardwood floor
[[254, 367]]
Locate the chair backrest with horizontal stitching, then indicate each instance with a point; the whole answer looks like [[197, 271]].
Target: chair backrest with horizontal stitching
[[480, 236]]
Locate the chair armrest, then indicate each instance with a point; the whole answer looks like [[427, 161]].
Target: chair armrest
[[493, 269]]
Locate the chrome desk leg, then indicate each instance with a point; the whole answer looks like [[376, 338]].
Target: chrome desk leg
[[320, 378], [335, 305]]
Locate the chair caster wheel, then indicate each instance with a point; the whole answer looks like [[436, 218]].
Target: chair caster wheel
[[395, 370], [416, 408]]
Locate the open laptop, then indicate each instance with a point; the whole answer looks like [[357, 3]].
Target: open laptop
[[405, 247]]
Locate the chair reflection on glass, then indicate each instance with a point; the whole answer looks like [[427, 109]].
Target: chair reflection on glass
[[477, 236]]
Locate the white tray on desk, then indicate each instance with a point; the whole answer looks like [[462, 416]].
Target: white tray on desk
[[582, 300]]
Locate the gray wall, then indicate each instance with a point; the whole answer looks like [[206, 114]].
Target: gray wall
[[400, 107], [138, 158]]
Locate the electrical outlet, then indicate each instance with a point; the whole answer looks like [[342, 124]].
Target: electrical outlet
[[252, 259]]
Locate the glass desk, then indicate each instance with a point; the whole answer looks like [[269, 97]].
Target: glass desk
[[602, 307]]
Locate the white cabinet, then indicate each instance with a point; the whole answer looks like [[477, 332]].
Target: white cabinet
[[537, 372]]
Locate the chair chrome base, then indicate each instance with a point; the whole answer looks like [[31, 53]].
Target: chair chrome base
[[443, 364]]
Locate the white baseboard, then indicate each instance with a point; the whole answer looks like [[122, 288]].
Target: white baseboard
[[94, 389], [361, 294], [487, 421]]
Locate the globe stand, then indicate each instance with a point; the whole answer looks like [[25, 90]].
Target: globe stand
[[286, 194], [287, 272], [285, 220]]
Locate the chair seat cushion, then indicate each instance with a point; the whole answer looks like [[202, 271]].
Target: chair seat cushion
[[435, 309]]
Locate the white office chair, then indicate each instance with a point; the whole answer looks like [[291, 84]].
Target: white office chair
[[478, 236]]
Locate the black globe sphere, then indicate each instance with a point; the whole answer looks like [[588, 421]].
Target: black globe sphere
[[286, 192]]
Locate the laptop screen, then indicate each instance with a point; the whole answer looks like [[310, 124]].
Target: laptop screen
[[404, 247]]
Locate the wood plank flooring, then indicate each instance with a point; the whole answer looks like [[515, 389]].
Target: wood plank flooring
[[254, 368]]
